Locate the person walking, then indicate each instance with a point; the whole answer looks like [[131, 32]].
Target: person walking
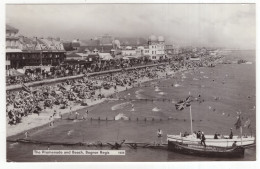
[[203, 139], [231, 134], [159, 135]]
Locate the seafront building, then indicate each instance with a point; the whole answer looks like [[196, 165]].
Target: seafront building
[[24, 51]]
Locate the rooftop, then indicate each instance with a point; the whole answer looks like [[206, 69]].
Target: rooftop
[[11, 29]]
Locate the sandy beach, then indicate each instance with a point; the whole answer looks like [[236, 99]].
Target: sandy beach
[[34, 120]]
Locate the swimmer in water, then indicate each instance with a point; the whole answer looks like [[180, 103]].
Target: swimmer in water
[[26, 134], [133, 107], [76, 115], [69, 132]]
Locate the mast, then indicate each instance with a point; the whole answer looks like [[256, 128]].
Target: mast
[[241, 130], [191, 130]]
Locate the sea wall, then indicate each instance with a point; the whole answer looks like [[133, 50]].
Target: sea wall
[[56, 80]]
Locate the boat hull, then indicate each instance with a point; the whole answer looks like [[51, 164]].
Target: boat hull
[[210, 141], [209, 151]]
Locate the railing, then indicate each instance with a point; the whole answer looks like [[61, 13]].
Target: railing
[[49, 81]]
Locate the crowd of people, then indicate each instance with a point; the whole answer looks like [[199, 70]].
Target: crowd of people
[[64, 70], [27, 101], [88, 88]]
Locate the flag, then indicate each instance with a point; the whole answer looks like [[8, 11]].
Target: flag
[[238, 124], [247, 123], [183, 103], [25, 88]]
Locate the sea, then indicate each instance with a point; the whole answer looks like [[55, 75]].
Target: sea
[[223, 91]]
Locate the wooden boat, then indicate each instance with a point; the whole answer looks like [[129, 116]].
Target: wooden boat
[[221, 147], [210, 141], [208, 151]]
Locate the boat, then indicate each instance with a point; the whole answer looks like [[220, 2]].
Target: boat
[[206, 151], [210, 141], [220, 147]]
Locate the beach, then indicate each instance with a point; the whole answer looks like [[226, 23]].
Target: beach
[[224, 89], [43, 118]]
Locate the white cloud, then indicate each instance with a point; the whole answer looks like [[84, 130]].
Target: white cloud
[[231, 25]]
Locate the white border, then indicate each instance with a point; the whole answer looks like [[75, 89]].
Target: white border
[[130, 165]]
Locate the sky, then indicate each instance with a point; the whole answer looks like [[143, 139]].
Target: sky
[[209, 25]]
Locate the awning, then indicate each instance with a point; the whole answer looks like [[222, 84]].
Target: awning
[[13, 72], [13, 51]]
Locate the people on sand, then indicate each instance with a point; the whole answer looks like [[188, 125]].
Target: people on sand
[[72, 91]]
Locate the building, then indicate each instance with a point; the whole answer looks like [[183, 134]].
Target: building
[[12, 44], [156, 47], [24, 51], [128, 51], [12, 39], [172, 51], [95, 49], [106, 40]]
